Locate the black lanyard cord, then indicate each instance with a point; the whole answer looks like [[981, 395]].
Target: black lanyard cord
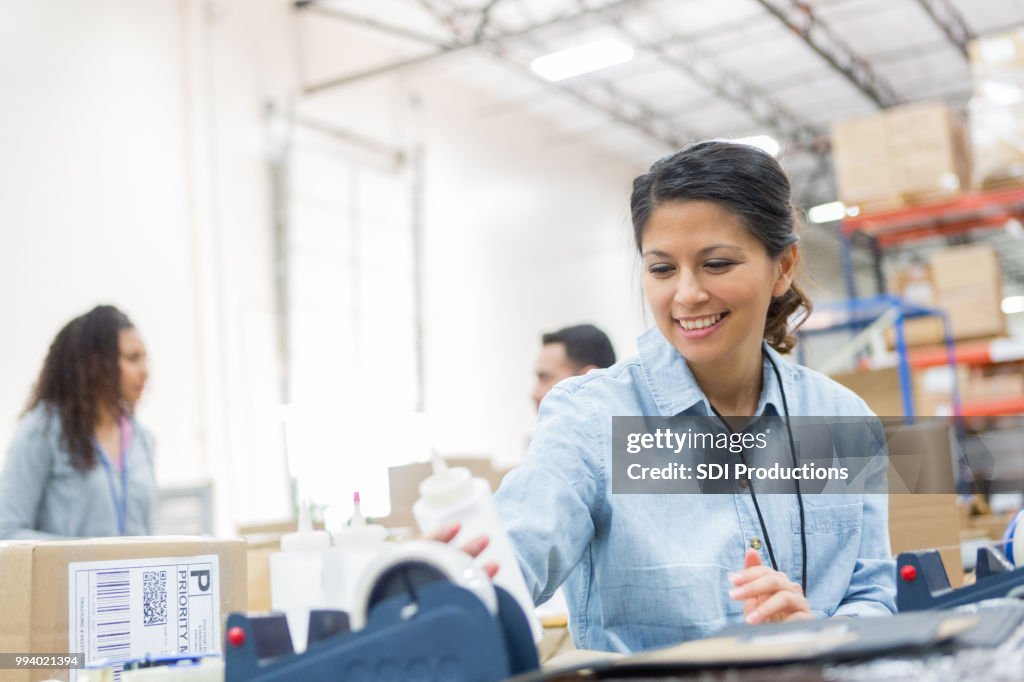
[[799, 497]]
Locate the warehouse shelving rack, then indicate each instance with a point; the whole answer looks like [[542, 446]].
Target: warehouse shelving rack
[[878, 231], [979, 209], [876, 313]]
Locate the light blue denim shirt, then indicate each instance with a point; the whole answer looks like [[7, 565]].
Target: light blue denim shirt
[[648, 570]]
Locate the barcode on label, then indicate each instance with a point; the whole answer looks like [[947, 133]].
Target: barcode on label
[[154, 598], [113, 628]]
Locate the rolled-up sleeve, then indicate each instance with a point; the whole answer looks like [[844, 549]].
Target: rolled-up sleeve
[[548, 504]]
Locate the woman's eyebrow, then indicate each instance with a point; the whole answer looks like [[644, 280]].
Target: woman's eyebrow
[[708, 249], [703, 252]]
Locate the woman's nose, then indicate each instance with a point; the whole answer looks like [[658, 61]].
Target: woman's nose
[[689, 291]]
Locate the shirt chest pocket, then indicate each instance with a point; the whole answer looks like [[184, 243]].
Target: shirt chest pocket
[[833, 534]]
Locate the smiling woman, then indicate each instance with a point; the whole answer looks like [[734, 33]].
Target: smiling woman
[[79, 464], [715, 229]]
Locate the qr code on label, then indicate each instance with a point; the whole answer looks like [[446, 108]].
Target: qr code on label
[[154, 597]]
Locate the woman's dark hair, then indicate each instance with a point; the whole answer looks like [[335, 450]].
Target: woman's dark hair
[[747, 182], [81, 372]]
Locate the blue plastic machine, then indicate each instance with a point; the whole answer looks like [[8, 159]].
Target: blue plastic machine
[[922, 582], [419, 627]]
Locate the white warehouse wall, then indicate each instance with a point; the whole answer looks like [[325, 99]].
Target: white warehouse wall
[[135, 171]]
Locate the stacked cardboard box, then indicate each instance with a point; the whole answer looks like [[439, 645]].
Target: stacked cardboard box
[[905, 154], [997, 108], [966, 282]]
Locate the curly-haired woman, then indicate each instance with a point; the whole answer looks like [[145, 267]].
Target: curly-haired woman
[[79, 464]]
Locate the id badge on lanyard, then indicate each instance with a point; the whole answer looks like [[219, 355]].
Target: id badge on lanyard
[[120, 501]]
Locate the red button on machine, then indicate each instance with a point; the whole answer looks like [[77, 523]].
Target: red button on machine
[[909, 573], [236, 636]]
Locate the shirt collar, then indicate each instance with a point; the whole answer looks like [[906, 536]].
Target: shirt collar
[[675, 390]]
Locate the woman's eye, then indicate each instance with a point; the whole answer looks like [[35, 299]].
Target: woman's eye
[[660, 269], [718, 264]]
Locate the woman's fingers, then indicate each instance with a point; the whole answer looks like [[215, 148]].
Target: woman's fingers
[[779, 606], [445, 533], [799, 615], [748, 574], [473, 548], [765, 586], [476, 545]]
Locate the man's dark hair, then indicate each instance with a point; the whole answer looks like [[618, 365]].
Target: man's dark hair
[[584, 344]]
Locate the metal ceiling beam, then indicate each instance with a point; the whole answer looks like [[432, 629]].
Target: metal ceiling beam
[[443, 48], [945, 14], [800, 19], [596, 93], [684, 56]]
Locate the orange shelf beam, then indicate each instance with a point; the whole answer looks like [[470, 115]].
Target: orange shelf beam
[[983, 208], [994, 408]]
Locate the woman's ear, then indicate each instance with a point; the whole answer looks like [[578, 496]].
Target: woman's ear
[[785, 270]]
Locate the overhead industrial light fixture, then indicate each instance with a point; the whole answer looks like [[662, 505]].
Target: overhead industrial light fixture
[[765, 143], [581, 59], [831, 212]]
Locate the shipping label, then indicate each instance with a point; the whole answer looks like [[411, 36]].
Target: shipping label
[[126, 609]]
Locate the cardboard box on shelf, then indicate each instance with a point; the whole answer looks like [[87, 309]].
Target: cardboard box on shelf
[[879, 388], [862, 164], [928, 149], [906, 154], [966, 282], [35, 592], [970, 287]]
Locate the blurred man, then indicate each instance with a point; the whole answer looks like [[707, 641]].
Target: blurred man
[[570, 352]]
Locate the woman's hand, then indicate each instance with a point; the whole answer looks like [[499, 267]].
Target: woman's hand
[[768, 595], [473, 548]]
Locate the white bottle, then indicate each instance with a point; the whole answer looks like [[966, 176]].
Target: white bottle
[[354, 548], [296, 576], [453, 495]]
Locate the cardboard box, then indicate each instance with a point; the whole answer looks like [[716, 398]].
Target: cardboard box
[[991, 526], [921, 460], [969, 283], [904, 154], [257, 562], [927, 522], [34, 590], [860, 151], [928, 150], [879, 388], [966, 282]]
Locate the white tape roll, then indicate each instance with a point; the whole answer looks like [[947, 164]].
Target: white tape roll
[[455, 565]]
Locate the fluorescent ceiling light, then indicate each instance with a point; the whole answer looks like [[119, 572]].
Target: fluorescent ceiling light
[[762, 142], [827, 213], [1012, 304], [582, 59]]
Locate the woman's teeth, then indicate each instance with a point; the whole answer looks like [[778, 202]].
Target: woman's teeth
[[700, 322]]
